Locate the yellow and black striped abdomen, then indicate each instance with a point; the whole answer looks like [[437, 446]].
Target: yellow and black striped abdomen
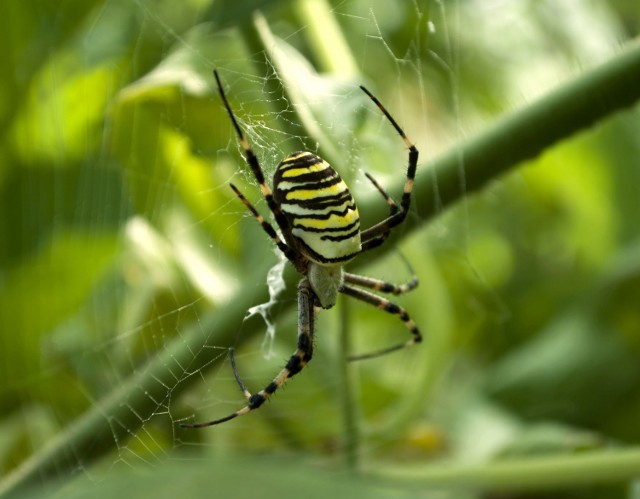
[[321, 212]]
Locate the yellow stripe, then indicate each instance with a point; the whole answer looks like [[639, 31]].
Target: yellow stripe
[[303, 195], [295, 172], [333, 222], [291, 158]]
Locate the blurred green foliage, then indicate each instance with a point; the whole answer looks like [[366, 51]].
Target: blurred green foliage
[[121, 241]]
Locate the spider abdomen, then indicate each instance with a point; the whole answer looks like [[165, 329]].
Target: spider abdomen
[[320, 210]]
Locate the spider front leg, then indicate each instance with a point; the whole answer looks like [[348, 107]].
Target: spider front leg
[[254, 164], [374, 236], [299, 359], [266, 226]]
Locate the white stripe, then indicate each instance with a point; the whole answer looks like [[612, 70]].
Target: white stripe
[[286, 185]]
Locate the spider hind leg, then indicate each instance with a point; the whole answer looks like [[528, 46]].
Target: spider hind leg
[[297, 362]]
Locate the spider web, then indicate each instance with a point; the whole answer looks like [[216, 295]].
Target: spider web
[[155, 258]]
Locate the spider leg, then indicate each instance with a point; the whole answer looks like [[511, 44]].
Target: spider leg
[[393, 209], [385, 286], [387, 306], [381, 229], [254, 164], [300, 358], [393, 206], [267, 227], [380, 285]]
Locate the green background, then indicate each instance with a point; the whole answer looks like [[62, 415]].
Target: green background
[[127, 265]]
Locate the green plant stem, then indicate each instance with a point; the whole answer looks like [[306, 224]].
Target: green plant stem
[[525, 133], [533, 473], [258, 37], [326, 38], [596, 94], [351, 430]]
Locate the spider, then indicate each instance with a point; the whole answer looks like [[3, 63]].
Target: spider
[[320, 228]]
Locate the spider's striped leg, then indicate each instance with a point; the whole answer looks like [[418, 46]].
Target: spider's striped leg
[[300, 358], [267, 227], [384, 286], [380, 285], [394, 219], [393, 209], [393, 206], [253, 163], [387, 306]]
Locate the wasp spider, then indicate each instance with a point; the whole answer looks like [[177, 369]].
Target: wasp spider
[[320, 233]]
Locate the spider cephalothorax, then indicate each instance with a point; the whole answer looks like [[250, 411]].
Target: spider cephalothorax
[[320, 227]]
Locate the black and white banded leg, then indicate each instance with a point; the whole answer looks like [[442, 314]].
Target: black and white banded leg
[[297, 362], [383, 304]]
